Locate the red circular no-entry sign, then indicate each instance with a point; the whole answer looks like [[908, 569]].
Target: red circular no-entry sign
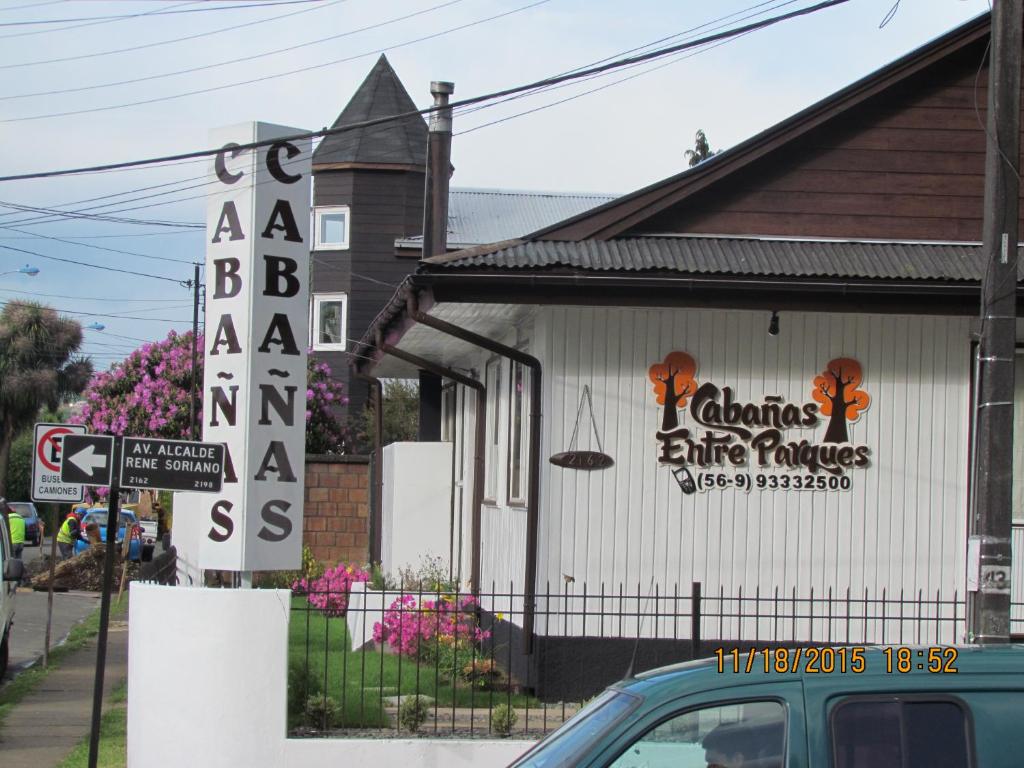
[[44, 442]]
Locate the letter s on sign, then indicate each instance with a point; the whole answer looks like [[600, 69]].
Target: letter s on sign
[[220, 515], [272, 516], [274, 161]]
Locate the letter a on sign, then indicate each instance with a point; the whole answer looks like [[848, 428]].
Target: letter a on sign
[[254, 365]]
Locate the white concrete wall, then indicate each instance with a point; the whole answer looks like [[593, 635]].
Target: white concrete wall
[[187, 527], [207, 676], [417, 509], [402, 753], [207, 686]]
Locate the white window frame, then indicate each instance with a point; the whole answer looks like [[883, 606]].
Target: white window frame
[[319, 299], [492, 381], [318, 244], [520, 399]]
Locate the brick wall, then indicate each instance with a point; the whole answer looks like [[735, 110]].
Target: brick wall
[[337, 510]]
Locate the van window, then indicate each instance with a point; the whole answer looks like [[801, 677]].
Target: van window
[[749, 734], [900, 734]]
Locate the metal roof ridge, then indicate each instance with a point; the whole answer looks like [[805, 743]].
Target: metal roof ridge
[[534, 192], [799, 239]]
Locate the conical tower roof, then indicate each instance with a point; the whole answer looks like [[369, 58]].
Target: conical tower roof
[[402, 142]]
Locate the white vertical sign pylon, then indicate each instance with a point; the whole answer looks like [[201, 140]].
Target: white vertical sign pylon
[[257, 316]]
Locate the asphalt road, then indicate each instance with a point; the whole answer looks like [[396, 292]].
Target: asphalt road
[[28, 635]]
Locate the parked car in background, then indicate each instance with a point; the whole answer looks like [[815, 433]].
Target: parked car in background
[[137, 548], [149, 529], [11, 571], [33, 526], [848, 707]]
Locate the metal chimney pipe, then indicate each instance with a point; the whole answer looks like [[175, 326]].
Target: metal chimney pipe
[[439, 163]]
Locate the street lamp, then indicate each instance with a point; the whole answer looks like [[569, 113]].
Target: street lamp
[[26, 270], [94, 326]]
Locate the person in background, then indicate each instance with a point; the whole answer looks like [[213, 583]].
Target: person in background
[[67, 535], [16, 523]]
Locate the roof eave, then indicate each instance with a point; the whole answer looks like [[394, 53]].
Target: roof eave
[[655, 197]]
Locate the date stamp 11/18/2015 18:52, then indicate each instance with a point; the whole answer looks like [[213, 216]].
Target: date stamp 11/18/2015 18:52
[[855, 659]]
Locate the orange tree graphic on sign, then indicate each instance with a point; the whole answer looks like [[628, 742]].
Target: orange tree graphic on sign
[[673, 383], [836, 390]]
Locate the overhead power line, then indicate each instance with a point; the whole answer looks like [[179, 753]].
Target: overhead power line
[[617, 64], [253, 57], [33, 5], [159, 43], [99, 247], [105, 299], [87, 264], [107, 237], [754, 11], [87, 23], [278, 75], [204, 8], [775, 5], [97, 217]]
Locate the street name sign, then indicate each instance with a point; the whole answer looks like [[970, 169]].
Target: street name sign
[[88, 459], [172, 465], [46, 463]]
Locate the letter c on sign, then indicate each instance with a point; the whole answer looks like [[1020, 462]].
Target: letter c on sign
[[222, 171], [274, 161]]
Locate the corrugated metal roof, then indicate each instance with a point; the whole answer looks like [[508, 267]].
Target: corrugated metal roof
[[739, 256], [477, 216]]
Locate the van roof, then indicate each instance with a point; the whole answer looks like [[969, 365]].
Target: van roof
[[704, 675]]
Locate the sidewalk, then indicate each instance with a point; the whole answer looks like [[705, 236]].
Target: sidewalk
[[49, 722]]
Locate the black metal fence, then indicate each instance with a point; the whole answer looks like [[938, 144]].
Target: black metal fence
[[452, 663], [162, 569]]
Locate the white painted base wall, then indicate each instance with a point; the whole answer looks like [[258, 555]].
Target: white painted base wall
[[186, 531], [402, 753], [417, 504], [207, 686]]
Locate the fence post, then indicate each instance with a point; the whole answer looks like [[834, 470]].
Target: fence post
[[695, 620]]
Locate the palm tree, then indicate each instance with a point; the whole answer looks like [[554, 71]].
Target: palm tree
[[38, 367]]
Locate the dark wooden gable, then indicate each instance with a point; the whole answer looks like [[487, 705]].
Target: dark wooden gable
[[899, 155]]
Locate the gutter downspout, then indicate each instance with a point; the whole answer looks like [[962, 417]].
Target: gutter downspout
[[533, 492], [376, 510], [479, 441]]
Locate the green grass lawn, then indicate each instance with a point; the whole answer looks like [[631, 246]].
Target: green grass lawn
[[360, 681], [26, 682], [113, 752]]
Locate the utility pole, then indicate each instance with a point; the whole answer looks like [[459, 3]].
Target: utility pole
[[990, 552], [193, 425]]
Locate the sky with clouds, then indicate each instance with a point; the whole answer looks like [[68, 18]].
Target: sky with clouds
[[104, 82]]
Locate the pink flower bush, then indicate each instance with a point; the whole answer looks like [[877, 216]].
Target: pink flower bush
[[330, 592], [147, 395], [412, 630]]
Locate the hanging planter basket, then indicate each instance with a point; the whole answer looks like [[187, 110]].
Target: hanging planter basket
[[587, 461]]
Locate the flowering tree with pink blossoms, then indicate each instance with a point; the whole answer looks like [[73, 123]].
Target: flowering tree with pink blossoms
[[147, 395]]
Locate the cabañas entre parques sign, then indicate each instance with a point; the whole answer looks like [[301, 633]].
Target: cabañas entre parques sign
[[257, 310]]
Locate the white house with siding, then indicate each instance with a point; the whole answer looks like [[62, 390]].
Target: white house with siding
[[841, 243]]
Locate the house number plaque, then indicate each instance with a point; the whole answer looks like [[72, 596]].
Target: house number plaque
[[587, 461]]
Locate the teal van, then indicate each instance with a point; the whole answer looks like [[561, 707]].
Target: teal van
[[881, 707]]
